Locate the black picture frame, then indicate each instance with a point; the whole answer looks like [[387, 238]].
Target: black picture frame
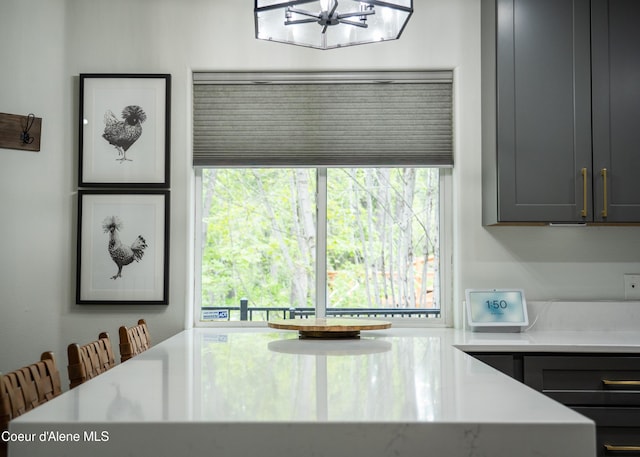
[[123, 247], [124, 126]]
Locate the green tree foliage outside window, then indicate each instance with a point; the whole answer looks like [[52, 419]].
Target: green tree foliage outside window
[[259, 229]]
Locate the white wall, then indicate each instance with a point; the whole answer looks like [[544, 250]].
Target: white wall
[[36, 236], [45, 44]]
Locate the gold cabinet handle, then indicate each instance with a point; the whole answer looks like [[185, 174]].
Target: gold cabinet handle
[[583, 213], [614, 448], [609, 382], [603, 172]]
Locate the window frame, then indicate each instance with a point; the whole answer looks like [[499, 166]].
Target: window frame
[[445, 266]]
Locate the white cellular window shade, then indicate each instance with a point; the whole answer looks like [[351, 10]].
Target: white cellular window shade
[[323, 119]]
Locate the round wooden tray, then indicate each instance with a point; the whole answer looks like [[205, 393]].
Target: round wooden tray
[[329, 327]]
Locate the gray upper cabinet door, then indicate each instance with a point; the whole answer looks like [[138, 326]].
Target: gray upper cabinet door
[[543, 90], [616, 109]]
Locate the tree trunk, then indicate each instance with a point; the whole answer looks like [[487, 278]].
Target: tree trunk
[[355, 208], [405, 252], [370, 184], [427, 245], [383, 234], [209, 183], [434, 232], [305, 230]]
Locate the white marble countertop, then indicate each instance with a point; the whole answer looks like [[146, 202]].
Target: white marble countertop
[[241, 392], [619, 342]]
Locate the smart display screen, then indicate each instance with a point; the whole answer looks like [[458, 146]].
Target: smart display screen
[[496, 307]]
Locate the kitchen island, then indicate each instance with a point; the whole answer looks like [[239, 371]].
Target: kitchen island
[[243, 392]]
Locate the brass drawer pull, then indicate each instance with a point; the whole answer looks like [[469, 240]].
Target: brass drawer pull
[[583, 212], [604, 212], [608, 382], [614, 448]]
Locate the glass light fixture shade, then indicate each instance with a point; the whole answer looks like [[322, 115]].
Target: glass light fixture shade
[[341, 22]]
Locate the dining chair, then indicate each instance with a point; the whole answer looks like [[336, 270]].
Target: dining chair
[[134, 340], [89, 360], [26, 388]]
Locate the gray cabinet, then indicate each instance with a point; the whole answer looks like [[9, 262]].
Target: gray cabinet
[[509, 364], [616, 109], [542, 109], [605, 388], [541, 161]]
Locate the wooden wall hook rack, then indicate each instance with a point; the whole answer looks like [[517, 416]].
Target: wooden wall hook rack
[[20, 132]]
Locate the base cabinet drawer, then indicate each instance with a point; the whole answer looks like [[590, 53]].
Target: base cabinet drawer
[[585, 380], [612, 417], [605, 389], [618, 441], [617, 429]]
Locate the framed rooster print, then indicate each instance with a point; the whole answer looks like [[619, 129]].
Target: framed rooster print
[[123, 247], [124, 129]]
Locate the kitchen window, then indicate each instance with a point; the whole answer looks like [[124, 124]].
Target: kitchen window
[[322, 195]]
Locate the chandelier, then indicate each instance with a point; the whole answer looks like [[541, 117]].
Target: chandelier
[[327, 24]]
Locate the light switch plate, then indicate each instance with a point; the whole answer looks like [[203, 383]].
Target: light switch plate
[[632, 286]]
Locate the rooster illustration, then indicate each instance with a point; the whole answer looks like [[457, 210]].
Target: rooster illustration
[[122, 255], [122, 134]]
